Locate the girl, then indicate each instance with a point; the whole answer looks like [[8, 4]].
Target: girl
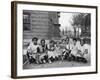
[[66, 50], [57, 51], [42, 50], [51, 48], [74, 50], [32, 51], [82, 51], [86, 52]]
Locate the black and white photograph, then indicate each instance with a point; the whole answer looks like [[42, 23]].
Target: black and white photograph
[[56, 39], [53, 39]]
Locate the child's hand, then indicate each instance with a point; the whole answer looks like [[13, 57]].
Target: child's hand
[[79, 51], [86, 51]]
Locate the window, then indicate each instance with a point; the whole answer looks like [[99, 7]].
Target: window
[[26, 21]]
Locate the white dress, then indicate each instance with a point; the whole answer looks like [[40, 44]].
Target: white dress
[[87, 51], [57, 51], [51, 52], [79, 49], [32, 49], [74, 50]]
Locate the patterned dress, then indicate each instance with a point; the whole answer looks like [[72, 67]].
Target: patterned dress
[[42, 50]]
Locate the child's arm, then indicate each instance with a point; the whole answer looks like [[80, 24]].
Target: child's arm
[[29, 49]]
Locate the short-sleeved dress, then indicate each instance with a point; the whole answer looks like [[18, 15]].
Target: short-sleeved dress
[[32, 50]]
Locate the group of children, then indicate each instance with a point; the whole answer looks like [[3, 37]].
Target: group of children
[[70, 49]]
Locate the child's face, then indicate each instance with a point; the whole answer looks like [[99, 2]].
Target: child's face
[[67, 41], [57, 43], [34, 41], [74, 41], [43, 42], [51, 43], [63, 41], [82, 42]]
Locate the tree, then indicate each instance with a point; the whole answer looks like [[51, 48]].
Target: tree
[[82, 20]]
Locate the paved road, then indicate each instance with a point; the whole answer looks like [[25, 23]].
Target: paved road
[[55, 65]]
